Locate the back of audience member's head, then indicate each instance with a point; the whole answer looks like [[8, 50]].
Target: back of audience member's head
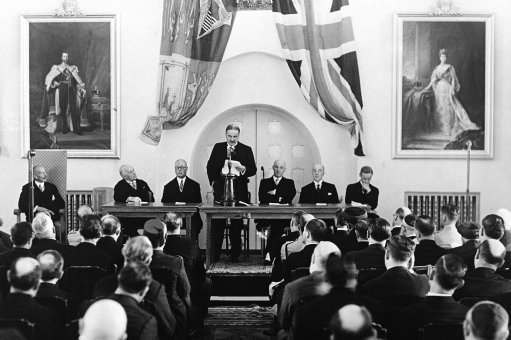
[[42, 226], [361, 229], [469, 230], [24, 274], [490, 252], [156, 232], [399, 249], [449, 272], [493, 226], [83, 211], [22, 234], [90, 229], [105, 319], [138, 249], [52, 265], [135, 278], [11, 334], [378, 229], [320, 255], [295, 219], [173, 221], [316, 228], [409, 220], [304, 219], [486, 321], [424, 225], [450, 213], [110, 225], [400, 214], [352, 322], [354, 214], [341, 271]]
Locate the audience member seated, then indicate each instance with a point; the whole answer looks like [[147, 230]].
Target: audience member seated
[[483, 281], [426, 251], [494, 228], [5, 239], [177, 245], [448, 236], [104, 320], [109, 241], [505, 214], [438, 306], [344, 236], [470, 233], [44, 236], [374, 255], [74, 237], [309, 286], [52, 269], [24, 276], [87, 253], [361, 229], [139, 249], [134, 280], [354, 323], [399, 219], [408, 227], [21, 235], [311, 319], [486, 320], [298, 222]]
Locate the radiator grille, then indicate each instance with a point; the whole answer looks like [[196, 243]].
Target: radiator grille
[[76, 198], [429, 203]]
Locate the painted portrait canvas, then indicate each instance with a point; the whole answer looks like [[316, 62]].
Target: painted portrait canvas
[[443, 86]]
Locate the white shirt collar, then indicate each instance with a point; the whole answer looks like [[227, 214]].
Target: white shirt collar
[[320, 183], [438, 294], [179, 180], [277, 179]]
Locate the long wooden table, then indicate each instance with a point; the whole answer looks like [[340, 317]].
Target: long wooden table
[[258, 212], [152, 210]]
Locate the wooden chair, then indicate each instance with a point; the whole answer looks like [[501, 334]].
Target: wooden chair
[[441, 331], [298, 273], [423, 270], [25, 327]]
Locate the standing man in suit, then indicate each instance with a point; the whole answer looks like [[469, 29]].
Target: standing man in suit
[[46, 196], [276, 189], [363, 191], [244, 155], [184, 189], [130, 189]]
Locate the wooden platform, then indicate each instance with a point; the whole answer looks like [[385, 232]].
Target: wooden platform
[[252, 265]]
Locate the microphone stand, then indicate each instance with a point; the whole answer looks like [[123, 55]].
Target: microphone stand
[[30, 211], [229, 196], [467, 193]]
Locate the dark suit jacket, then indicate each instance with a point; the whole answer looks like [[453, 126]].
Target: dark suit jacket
[[432, 309], [193, 260], [300, 259], [467, 252], [8, 257], [242, 153], [23, 306], [141, 324], [123, 190], [47, 290], [49, 199], [354, 193], [326, 194], [41, 244], [190, 194], [112, 248], [285, 191], [87, 254], [5, 241], [396, 282], [484, 283], [427, 252], [371, 257]]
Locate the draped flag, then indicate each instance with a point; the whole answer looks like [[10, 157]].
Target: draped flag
[[318, 42], [193, 40]]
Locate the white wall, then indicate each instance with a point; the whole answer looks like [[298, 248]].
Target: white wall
[[248, 77]]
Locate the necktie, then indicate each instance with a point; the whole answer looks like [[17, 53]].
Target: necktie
[[318, 187], [181, 185], [134, 184], [277, 180], [41, 187]]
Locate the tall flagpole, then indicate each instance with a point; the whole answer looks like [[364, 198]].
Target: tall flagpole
[[467, 198]]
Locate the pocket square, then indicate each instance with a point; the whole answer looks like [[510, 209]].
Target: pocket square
[[329, 194]]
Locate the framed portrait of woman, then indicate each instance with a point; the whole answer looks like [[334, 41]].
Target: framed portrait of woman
[[443, 86], [70, 84]]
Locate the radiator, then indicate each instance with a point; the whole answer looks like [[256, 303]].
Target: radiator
[[74, 199], [429, 203]]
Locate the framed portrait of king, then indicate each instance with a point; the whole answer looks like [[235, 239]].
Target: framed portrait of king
[[443, 86], [70, 84]]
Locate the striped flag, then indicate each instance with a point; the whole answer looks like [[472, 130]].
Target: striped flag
[[318, 42]]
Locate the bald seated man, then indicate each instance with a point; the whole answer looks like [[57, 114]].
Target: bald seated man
[[46, 196], [276, 189], [486, 320], [104, 320], [319, 191], [184, 189], [352, 322]]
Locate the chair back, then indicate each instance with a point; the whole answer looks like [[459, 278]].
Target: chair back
[[101, 196], [4, 282], [55, 303], [25, 327], [423, 270], [79, 281], [366, 274], [298, 273], [441, 331]]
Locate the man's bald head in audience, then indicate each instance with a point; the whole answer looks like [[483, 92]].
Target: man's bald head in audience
[[24, 275], [486, 321], [490, 254], [52, 265], [352, 322], [104, 320]]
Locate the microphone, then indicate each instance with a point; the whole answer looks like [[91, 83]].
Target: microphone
[[469, 144], [262, 170]]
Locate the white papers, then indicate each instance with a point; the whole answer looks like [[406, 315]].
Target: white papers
[[234, 167]]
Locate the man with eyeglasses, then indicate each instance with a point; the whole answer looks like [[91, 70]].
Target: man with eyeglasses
[[184, 189]]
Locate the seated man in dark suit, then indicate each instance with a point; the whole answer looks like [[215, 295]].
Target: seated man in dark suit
[[44, 237], [427, 251], [46, 196], [486, 320], [483, 281], [438, 306], [494, 228], [110, 241], [344, 236], [363, 191], [374, 255], [5, 239], [184, 189], [134, 280], [24, 276], [52, 269], [200, 284], [133, 190], [276, 189], [104, 319], [470, 233], [22, 236]]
